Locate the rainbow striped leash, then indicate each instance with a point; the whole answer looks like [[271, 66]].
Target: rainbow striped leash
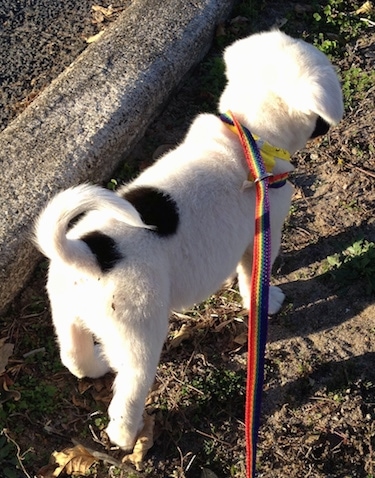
[[258, 311]]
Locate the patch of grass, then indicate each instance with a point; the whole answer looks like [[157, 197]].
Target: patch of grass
[[38, 398], [8, 460], [209, 392], [355, 263], [37, 305], [219, 386], [11, 459], [336, 24], [101, 421], [355, 84]]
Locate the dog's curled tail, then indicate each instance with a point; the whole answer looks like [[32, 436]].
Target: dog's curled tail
[[50, 233]]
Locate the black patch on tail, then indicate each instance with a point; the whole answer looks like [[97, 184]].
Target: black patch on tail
[[104, 249], [321, 127], [156, 208]]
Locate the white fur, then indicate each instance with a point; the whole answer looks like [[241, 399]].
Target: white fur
[[276, 87]]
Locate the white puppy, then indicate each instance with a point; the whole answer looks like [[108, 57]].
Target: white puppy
[[170, 238]]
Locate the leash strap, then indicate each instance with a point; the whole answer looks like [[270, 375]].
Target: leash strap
[[268, 154], [258, 311]]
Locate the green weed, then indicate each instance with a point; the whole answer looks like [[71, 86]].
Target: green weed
[[112, 184], [336, 24], [37, 305], [219, 386], [355, 84], [11, 458], [101, 422], [37, 398], [8, 458], [355, 263]]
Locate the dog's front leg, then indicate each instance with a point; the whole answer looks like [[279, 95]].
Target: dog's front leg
[[244, 271], [126, 409], [279, 207]]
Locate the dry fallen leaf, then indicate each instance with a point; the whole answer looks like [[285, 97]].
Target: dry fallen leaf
[[84, 385], [81, 402], [104, 396], [102, 389], [6, 351], [5, 393], [222, 325], [182, 334], [72, 461], [47, 471], [94, 38], [107, 12], [366, 8], [241, 339], [220, 30], [143, 444]]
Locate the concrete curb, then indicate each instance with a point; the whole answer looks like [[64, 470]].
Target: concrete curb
[[93, 114]]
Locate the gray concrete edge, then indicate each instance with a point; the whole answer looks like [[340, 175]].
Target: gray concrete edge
[[92, 115]]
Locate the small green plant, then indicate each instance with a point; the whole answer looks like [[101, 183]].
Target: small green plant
[[355, 263], [37, 398], [335, 24], [11, 458], [8, 458], [355, 84], [112, 184], [219, 386], [101, 422], [37, 305]]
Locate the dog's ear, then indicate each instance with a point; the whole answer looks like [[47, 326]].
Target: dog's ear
[[311, 85], [309, 82], [322, 95], [321, 127]]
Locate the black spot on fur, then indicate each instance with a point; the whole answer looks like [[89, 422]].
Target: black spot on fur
[[104, 248], [156, 208], [321, 127]]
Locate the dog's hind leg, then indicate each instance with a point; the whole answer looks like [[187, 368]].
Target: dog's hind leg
[[78, 352], [133, 352]]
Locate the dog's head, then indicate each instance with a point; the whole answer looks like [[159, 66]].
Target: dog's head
[[283, 89]]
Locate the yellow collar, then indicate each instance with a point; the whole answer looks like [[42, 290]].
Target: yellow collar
[[269, 153]]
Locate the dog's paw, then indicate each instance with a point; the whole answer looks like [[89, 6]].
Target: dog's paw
[[275, 299], [120, 436]]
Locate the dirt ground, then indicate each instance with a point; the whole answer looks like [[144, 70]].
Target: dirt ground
[[319, 393]]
